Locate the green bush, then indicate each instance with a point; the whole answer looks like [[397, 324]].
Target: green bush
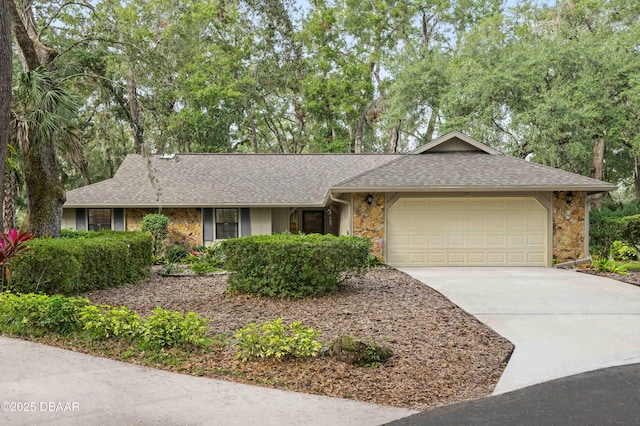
[[273, 339], [103, 322], [37, 313], [82, 262], [293, 266], [606, 265], [158, 226], [176, 254], [622, 251], [170, 329], [206, 260]]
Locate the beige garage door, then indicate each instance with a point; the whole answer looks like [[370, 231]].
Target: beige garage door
[[467, 232]]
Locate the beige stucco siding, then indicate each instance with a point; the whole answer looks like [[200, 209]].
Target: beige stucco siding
[[260, 221], [68, 219], [279, 220]]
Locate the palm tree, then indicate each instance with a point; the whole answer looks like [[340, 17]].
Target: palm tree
[[43, 117]]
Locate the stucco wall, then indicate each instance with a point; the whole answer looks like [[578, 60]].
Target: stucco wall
[[185, 225], [569, 226], [368, 220]]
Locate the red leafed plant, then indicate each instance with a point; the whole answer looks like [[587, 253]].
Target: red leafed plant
[[12, 244]]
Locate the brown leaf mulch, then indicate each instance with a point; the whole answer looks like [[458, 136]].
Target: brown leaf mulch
[[442, 354], [631, 278]]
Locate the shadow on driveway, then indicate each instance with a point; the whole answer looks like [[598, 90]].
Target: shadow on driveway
[[603, 397]]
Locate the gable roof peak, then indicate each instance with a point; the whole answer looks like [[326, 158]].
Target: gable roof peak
[[455, 141]]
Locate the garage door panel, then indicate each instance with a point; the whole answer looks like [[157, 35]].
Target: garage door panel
[[462, 231], [436, 240], [435, 258], [475, 240]]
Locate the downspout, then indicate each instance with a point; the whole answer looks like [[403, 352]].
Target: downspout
[[348, 204]]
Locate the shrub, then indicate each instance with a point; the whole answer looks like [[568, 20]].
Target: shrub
[[293, 266], [12, 245], [86, 261], [206, 260], [38, 313], [158, 226], [176, 254], [606, 265], [622, 251], [360, 352], [273, 339], [103, 321], [171, 329]]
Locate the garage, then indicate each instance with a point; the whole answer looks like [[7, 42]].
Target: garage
[[509, 231]]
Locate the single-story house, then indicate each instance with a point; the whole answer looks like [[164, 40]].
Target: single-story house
[[454, 201]]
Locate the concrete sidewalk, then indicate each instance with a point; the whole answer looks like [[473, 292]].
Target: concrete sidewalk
[[46, 385], [561, 322]]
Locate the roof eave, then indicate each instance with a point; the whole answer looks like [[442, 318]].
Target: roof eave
[[476, 188], [190, 205]]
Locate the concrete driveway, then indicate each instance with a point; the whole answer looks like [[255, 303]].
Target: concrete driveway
[[561, 322]]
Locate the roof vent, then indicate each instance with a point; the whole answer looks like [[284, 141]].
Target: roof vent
[[167, 156]]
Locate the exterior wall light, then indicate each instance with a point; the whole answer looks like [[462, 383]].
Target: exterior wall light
[[569, 197], [369, 199]]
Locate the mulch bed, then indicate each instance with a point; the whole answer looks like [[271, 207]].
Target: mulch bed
[[442, 354], [631, 278]]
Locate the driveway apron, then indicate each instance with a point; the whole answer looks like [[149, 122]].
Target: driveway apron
[[561, 322]]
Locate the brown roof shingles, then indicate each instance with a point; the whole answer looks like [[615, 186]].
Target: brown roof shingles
[[225, 179], [306, 179], [468, 171]]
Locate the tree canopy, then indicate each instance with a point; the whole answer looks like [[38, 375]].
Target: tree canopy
[[556, 83]]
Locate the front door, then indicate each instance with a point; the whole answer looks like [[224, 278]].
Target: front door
[[313, 222]]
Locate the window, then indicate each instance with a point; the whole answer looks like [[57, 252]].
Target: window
[[313, 222], [99, 219], [226, 223]]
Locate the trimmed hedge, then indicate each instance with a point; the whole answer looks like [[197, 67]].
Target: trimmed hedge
[[293, 266], [82, 261]]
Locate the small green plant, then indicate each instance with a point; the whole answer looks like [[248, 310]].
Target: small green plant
[[176, 254], [103, 322], [158, 226], [606, 265], [206, 260], [622, 251], [171, 329], [360, 352], [374, 262], [276, 340]]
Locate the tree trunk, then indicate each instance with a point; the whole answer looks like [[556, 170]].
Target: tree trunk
[[5, 83], [431, 127], [597, 168], [357, 147], [9, 205], [394, 137], [137, 131], [636, 173], [45, 194]]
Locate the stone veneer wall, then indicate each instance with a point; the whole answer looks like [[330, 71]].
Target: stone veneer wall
[[368, 220], [185, 225], [569, 227]]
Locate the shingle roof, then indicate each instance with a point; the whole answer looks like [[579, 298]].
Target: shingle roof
[[453, 162], [468, 171], [225, 179]]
